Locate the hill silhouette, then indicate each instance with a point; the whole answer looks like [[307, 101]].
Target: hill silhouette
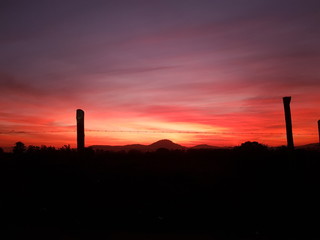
[[164, 143], [311, 146], [170, 145], [204, 146]]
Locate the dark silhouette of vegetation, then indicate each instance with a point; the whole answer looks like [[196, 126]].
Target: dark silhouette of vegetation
[[19, 148], [249, 192], [252, 146]]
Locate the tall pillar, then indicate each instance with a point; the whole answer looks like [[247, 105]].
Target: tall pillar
[[286, 104], [319, 130], [80, 129]]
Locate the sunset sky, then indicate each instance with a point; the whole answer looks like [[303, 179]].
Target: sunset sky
[[192, 71]]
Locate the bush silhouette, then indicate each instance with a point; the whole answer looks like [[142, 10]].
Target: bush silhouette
[[252, 146], [19, 148]]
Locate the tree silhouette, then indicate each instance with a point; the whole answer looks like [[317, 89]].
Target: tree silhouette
[[32, 149], [252, 146], [65, 148], [19, 148]]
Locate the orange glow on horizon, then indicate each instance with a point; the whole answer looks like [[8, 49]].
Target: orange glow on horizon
[[228, 130]]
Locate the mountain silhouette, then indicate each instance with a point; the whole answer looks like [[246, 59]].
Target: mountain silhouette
[[168, 144], [139, 147], [204, 146], [311, 146], [164, 143]]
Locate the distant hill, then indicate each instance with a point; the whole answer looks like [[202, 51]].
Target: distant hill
[[7, 149], [204, 146], [119, 148], [168, 144], [311, 146], [165, 143]]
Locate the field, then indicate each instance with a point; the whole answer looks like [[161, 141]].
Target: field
[[240, 193]]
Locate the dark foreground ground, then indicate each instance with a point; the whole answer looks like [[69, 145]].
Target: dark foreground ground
[[196, 194]]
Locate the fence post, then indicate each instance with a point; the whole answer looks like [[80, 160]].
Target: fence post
[[286, 104], [80, 129], [319, 130]]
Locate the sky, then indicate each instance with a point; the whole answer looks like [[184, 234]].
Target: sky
[[192, 71]]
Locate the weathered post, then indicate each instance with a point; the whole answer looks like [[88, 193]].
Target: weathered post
[[80, 129], [319, 130], [286, 104]]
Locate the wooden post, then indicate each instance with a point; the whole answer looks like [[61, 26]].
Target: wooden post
[[80, 129], [319, 130], [286, 104]]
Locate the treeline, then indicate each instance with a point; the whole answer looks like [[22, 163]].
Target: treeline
[[250, 191]]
